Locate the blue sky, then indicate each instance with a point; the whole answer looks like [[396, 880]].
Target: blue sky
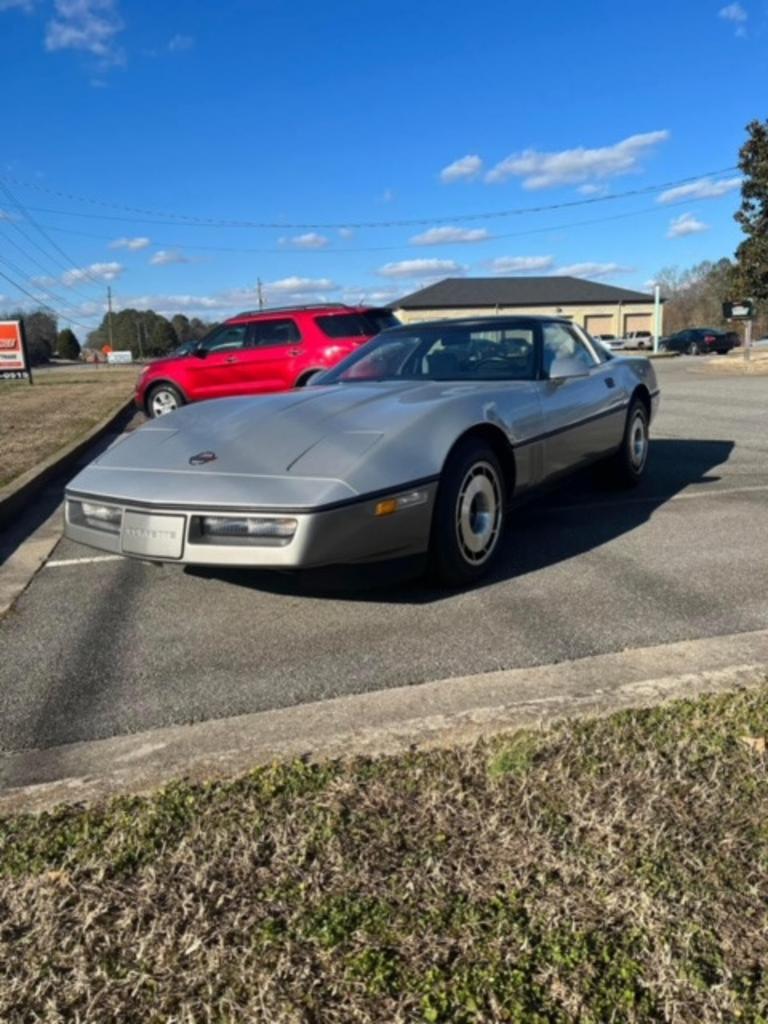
[[354, 113]]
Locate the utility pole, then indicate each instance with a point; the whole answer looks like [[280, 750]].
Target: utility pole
[[138, 339], [260, 293], [656, 316], [109, 317], [748, 339]]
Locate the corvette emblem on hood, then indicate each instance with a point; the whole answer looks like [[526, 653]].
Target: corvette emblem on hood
[[202, 457]]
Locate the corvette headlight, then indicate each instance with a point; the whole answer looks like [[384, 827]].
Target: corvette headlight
[[248, 528], [108, 518]]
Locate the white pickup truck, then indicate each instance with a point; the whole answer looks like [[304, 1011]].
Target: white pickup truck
[[638, 339]]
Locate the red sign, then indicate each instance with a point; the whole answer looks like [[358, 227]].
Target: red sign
[[13, 361]]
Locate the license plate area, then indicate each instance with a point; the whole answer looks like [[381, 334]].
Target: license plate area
[[153, 535]]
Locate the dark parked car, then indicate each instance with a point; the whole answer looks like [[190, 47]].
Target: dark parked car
[[698, 341]]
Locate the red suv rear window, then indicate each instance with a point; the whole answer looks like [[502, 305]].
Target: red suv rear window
[[355, 325]]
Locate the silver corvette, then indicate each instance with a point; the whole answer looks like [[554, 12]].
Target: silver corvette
[[420, 442]]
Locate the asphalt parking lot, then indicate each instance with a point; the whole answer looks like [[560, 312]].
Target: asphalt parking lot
[[97, 648]]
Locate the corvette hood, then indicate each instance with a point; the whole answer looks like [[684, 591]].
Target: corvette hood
[[290, 450]]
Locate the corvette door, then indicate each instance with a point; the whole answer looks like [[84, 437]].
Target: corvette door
[[583, 404]]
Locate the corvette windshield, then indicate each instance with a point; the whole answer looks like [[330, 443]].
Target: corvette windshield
[[442, 352]]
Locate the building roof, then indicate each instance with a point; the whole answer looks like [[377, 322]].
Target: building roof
[[477, 292]]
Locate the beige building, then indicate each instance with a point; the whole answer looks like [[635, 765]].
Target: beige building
[[599, 308]]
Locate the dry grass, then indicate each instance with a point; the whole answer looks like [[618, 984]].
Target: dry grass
[[735, 362], [37, 421], [606, 871]]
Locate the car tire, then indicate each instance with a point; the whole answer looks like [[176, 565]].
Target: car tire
[[305, 377], [162, 399], [628, 464], [694, 349], [469, 515]]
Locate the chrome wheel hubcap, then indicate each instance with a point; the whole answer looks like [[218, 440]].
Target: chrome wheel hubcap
[[163, 402], [638, 442], [478, 513]]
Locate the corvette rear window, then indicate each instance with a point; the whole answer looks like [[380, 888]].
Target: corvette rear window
[[445, 352]]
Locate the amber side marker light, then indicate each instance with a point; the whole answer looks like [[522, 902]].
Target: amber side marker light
[[389, 506]]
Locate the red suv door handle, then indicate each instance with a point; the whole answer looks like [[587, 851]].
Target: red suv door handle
[[297, 351], [231, 359]]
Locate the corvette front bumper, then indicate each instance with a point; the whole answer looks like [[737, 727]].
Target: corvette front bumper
[[351, 533]]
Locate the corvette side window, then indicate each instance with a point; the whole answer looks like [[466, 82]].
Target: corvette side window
[[562, 343]]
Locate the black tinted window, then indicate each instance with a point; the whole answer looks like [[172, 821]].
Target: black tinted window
[[343, 325], [274, 332], [226, 337]]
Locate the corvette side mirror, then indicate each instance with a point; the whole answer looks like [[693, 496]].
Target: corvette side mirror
[[566, 366]]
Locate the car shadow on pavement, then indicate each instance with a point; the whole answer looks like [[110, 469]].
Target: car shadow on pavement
[[580, 514]]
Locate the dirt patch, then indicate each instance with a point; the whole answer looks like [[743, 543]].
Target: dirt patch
[[37, 421], [610, 870]]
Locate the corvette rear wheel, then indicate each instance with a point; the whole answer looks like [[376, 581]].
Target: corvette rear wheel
[[469, 515], [162, 399], [628, 464]]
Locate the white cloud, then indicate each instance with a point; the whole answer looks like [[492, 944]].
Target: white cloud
[[421, 268], [346, 232], [89, 25], [102, 271], [520, 264], [733, 12], [387, 196], [165, 257], [21, 5], [439, 236], [571, 166], [301, 285], [592, 270], [704, 188], [133, 244], [464, 169], [592, 190], [737, 16], [311, 240], [4, 215], [180, 42], [686, 224]]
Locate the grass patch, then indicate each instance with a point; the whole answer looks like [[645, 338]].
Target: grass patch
[[607, 870], [38, 421]]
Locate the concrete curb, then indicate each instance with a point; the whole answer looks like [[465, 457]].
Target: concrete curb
[[447, 712], [15, 495]]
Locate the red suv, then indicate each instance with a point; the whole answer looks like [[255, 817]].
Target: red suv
[[265, 350]]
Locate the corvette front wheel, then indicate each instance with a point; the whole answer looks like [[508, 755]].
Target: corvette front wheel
[[469, 515]]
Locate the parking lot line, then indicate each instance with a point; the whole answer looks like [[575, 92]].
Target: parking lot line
[[56, 563]]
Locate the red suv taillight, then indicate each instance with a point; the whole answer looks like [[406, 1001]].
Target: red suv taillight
[[710, 338]]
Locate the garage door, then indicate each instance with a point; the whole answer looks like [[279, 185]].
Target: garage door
[[599, 324], [638, 322]]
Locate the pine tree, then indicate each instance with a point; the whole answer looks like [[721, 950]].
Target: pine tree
[[752, 254], [67, 345]]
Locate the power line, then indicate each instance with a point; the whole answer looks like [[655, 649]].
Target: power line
[[45, 270], [164, 217], [69, 264], [406, 246], [43, 305]]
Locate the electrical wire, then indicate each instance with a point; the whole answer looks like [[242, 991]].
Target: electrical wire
[[164, 217], [43, 305], [69, 263], [407, 246]]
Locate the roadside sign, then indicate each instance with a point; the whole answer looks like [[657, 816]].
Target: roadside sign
[[14, 360], [738, 310], [119, 357]]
